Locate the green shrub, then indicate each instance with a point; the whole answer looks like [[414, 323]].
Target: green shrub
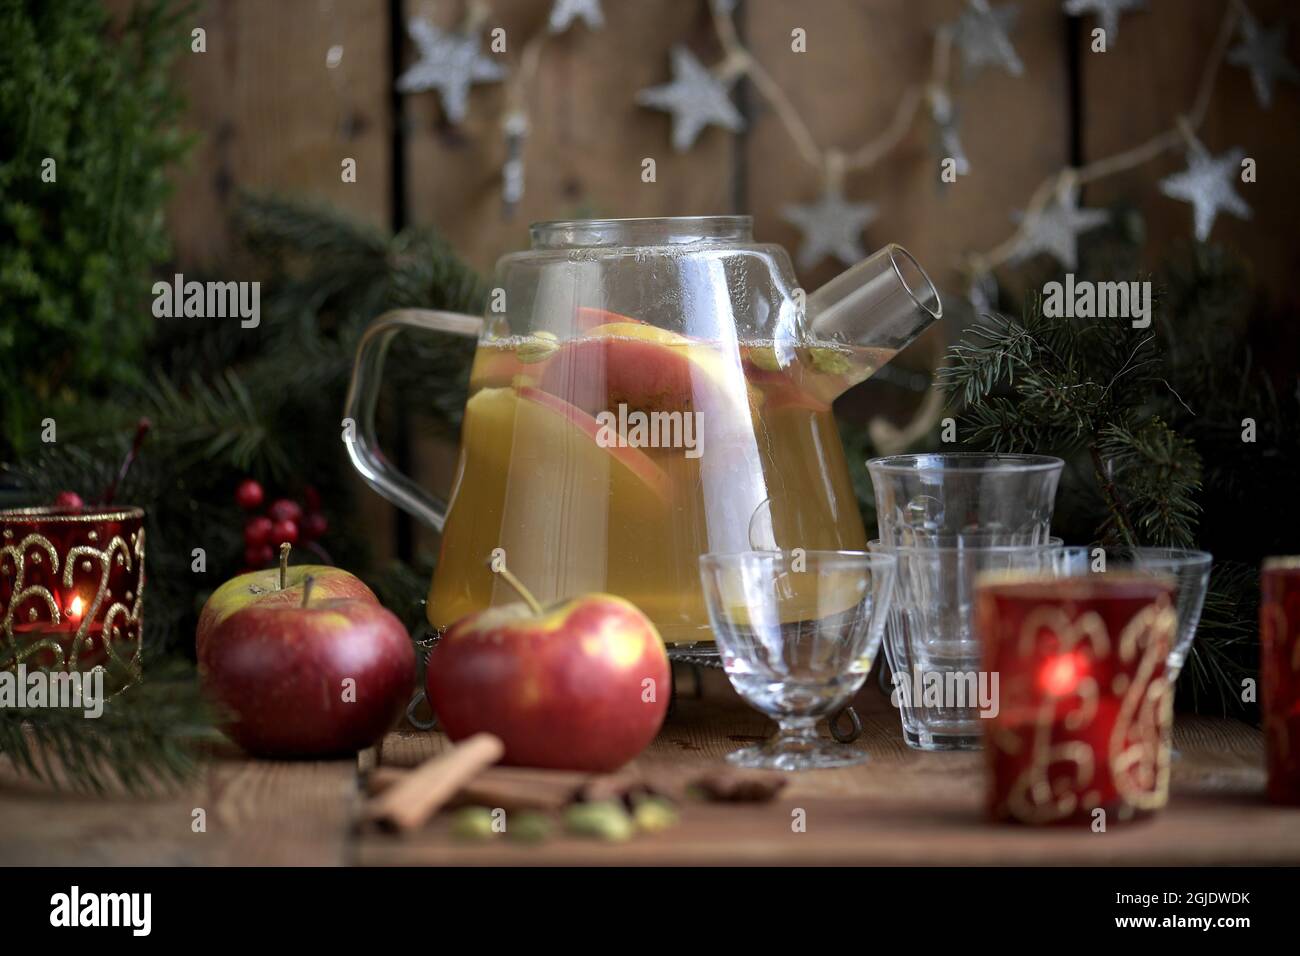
[[77, 253]]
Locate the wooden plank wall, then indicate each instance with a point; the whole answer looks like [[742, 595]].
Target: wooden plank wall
[[272, 116], [1153, 74]]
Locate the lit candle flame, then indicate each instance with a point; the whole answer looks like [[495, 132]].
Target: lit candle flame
[[1061, 675], [75, 608]]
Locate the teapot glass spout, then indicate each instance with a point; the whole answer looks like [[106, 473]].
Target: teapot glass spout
[[874, 309]]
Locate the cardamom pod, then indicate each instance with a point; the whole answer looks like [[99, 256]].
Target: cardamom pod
[[829, 360], [539, 346], [764, 357], [473, 823], [653, 814], [605, 819], [529, 827]]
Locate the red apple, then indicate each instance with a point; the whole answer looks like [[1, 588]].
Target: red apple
[[267, 587], [324, 677], [581, 685]]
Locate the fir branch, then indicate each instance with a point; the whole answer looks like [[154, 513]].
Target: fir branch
[[1226, 645], [219, 419], [147, 738], [1161, 474]]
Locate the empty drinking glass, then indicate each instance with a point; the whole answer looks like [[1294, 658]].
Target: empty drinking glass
[[942, 694], [1191, 573], [798, 632], [988, 499]]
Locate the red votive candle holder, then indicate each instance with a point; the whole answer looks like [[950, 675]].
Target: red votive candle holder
[[1279, 671], [71, 587], [1085, 711]]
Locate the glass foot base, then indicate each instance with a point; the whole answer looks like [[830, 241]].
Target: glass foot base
[[803, 753], [938, 742]]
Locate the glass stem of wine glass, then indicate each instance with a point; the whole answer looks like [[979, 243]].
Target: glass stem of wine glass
[[797, 729]]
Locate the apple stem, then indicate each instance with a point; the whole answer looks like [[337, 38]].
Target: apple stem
[[284, 563], [306, 589], [522, 591]]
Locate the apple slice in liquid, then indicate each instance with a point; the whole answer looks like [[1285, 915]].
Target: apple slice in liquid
[[495, 413], [643, 367]]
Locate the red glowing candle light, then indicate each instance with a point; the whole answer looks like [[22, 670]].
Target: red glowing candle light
[[71, 583], [1084, 711], [1279, 634]]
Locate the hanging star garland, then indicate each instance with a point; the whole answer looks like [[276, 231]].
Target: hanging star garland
[[695, 98], [831, 226], [1263, 53], [1207, 185], [448, 63], [1056, 228], [982, 293], [947, 138], [1107, 12], [564, 12], [981, 33]]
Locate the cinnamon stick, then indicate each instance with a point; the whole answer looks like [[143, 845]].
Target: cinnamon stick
[[523, 788], [513, 788], [410, 802], [381, 778]]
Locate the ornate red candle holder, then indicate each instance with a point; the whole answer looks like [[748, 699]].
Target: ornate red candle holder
[[71, 587], [1279, 635], [1085, 711]]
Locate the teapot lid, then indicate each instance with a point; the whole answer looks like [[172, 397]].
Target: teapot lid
[[651, 231]]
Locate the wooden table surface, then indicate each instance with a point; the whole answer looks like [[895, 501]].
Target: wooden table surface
[[903, 807]]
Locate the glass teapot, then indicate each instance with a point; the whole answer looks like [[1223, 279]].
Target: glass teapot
[[645, 391]]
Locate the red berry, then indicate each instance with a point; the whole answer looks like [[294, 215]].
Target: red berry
[[314, 525], [283, 531], [70, 500], [249, 494], [258, 555], [285, 510], [311, 497], [257, 531]]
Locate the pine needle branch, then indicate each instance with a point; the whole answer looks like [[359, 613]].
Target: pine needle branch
[[147, 739]]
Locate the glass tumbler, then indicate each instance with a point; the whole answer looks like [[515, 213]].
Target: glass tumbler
[[942, 693], [1191, 573], [798, 632], [946, 499]]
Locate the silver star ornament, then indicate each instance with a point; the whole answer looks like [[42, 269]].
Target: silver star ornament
[[831, 226], [695, 98], [448, 63], [1056, 228], [1106, 11], [981, 33], [1263, 52], [1206, 183], [564, 12]]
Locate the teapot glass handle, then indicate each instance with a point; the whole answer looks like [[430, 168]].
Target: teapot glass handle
[[363, 394]]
